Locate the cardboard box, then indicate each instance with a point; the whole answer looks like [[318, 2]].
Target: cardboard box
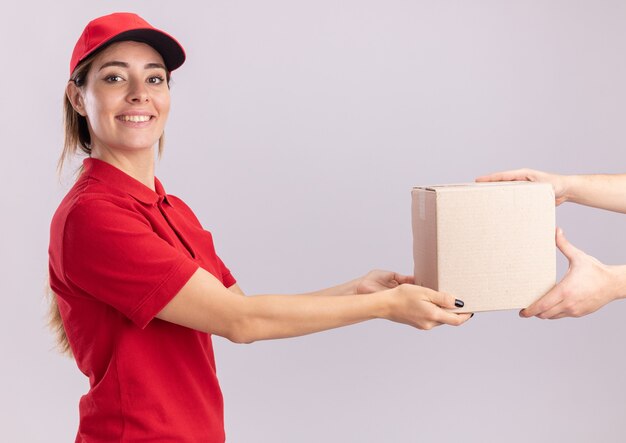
[[489, 244]]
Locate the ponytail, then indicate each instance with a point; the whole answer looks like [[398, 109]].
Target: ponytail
[[55, 323]]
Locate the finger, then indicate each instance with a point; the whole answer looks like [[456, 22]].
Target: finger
[[551, 299], [452, 319], [513, 175], [444, 300], [402, 279], [389, 283], [465, 317], [557, 311], [559, 316], [568, 249]]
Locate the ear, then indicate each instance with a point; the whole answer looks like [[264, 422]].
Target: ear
[[75, 96]]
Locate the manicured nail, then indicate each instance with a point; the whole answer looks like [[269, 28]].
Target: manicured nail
[[458, 303], [472, 315]]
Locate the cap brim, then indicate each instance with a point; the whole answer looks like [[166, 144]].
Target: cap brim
[[172, 52]]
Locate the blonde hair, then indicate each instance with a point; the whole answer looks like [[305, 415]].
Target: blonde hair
[[55, 323], [76, 137]]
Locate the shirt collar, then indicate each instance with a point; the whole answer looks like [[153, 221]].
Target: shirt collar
[[121, 181]]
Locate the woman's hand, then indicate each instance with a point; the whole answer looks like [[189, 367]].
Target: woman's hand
[[413, 305], [423, 308], [378, 280], [559, 182], [587, 286]]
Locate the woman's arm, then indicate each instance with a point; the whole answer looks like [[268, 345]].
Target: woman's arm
[[205, 304], [236, 289], [373, 281], [604, 191]]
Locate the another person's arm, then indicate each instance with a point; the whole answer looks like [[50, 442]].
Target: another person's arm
[[586, 287], [604, 191], [588, 284], [205, 304]]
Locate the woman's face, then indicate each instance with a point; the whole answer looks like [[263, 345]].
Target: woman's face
[[126, 99]]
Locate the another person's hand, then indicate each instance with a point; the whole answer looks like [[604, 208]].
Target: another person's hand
[[586, 287], [558, 182], [378, 280]]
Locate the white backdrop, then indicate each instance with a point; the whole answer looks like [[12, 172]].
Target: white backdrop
[[296, 133]]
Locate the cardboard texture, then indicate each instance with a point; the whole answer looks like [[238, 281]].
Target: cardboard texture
[[489, 244]]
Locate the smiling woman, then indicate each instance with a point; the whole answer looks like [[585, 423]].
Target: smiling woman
[[138, 287], [127, 99]]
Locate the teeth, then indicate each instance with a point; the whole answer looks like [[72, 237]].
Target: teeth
[[135, 118]]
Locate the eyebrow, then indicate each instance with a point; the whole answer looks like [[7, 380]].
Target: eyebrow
[[126, 65]]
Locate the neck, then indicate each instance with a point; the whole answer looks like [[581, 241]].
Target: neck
[[138, 164]]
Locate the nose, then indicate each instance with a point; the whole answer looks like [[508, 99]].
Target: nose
[[137, 92]]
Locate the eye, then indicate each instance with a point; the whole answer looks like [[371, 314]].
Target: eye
[[113, 78], [156, 80]]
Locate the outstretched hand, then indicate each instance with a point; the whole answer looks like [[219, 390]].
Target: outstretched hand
[[587, 286], [424, 308], [378, 280], [558, 182], [413, 305]]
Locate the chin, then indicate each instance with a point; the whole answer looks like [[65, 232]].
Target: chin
[[138, 145]]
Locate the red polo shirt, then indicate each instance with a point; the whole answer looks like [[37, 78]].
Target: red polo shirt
[[119, 252]]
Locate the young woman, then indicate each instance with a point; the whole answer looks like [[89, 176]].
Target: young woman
[[139, 289], [588, 284]]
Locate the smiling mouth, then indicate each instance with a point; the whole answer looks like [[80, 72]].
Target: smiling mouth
[[134, 118]]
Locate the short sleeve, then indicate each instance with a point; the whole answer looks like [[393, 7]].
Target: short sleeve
[[112, 254], [227, 276]]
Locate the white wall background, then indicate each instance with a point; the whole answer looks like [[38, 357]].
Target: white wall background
[[297, 131]]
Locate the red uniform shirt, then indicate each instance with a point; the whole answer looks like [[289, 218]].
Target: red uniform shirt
[[119, 252]]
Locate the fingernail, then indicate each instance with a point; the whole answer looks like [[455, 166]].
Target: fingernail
[[458, 303], [472, 315]]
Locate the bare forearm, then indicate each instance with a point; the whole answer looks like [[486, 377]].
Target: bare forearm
[[280, 316], [348, 288], [604, 191], [374, 281], [204, 304]]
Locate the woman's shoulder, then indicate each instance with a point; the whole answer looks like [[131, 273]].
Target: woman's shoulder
[[90, 201], [90, 192]]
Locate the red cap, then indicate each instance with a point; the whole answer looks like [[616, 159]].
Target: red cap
[[122, 26]]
